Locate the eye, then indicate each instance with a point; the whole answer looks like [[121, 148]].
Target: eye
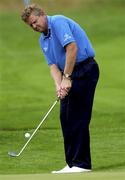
[[34, 22]]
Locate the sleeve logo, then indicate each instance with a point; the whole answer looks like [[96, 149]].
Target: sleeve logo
[[66, 37]]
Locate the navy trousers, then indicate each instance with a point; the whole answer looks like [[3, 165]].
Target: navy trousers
[[75, 114]]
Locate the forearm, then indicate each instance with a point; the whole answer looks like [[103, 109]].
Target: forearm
[[71, 51], [56, 74], [66, 84]]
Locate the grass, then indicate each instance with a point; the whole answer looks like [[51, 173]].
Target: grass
[[90, 176], [27, 91]]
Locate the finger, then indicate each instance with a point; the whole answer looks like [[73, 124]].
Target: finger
[[63, 94], [64, 90]]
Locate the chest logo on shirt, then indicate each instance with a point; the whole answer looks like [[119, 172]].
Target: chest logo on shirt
[[45, 49], [66, 37]]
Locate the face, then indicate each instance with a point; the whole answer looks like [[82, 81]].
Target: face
[[38, 23]]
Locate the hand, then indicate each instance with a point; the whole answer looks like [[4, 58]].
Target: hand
[[61, 93], [58, 90], [66, 85]]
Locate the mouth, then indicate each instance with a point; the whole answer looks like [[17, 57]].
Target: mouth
[[39, 29]]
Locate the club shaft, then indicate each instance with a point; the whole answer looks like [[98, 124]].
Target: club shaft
[[26, 2], [37, 127]]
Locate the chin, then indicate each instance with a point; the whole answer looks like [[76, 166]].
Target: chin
[[38, 31]]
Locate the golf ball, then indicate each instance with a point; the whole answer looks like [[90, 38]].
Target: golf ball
[[27, 135]]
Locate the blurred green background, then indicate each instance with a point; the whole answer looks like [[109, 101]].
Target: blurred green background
[[27, 90]]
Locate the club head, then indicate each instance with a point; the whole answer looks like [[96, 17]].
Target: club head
[[12, 154]]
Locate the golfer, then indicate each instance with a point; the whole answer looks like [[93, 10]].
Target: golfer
[[70, 57]]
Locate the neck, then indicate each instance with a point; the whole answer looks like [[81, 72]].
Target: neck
[[46, 32]]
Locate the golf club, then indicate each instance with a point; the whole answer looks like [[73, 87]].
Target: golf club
[[13, 154]]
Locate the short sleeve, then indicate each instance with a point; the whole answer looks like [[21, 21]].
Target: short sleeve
[[49, 62], [63, 31]]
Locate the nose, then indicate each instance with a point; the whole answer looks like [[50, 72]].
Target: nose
[[34, 25]]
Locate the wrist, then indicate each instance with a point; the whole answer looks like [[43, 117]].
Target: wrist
[[67, 76]]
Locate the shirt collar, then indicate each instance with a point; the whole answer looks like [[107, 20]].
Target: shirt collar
[[49, 28]]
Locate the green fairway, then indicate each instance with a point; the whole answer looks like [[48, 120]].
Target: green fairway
[[27, 92], [86, 176]]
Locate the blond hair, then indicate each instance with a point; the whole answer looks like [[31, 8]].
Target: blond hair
[[36, 10]]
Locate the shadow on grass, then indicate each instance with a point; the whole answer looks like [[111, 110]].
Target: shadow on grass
[[28, 129]]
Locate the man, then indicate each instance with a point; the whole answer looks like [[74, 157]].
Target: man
[[70, 57]]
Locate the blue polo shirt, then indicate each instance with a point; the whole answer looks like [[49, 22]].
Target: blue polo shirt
[[62, 31]]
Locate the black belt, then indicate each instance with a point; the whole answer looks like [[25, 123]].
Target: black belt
[[81, 68], [86, 61], [81, 63]]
